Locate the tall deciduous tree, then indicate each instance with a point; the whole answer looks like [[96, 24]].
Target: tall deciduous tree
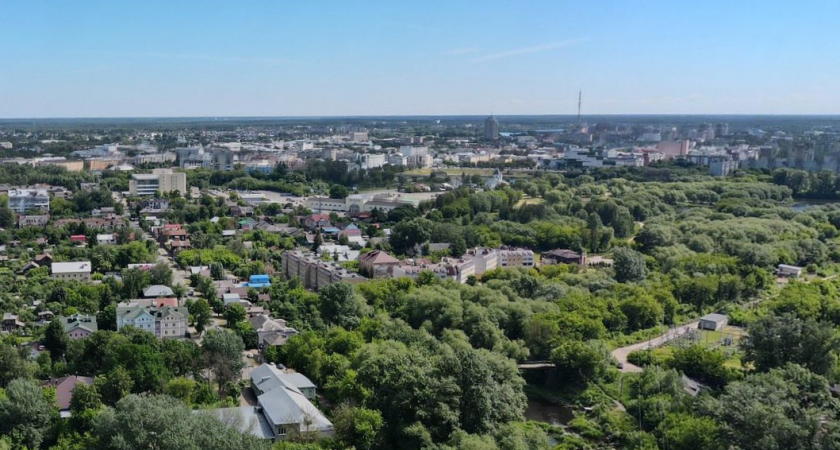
[[114, 385], [161, 273], [26, 414], [774, 341], [201, 314], [164, 423], [340, 305], [234, 314], [358, 427], [223, 354], [629, 266], [84, 405], [55, 339]]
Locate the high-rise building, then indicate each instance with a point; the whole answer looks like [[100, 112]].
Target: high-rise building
[[491, 128], [222, 159], [722, 129], [163, 180]]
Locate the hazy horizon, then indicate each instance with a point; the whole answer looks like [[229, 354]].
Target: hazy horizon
[[97, 59]]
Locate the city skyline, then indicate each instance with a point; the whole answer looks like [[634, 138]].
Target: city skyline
[[170, 59]]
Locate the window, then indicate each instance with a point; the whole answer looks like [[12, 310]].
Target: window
[[281, 431]]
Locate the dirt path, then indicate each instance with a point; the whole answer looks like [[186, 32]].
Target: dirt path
[[620, 354]]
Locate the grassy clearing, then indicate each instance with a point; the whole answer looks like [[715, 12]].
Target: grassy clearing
[[529, 201]]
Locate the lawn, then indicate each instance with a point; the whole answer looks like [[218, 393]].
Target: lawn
[[529, 201]]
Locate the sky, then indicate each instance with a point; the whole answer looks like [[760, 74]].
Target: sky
[[150, 58]]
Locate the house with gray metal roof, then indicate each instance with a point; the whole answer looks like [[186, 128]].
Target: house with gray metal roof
[[157, 290], [285, 401]]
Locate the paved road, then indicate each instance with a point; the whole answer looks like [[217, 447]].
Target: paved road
[[620, 354]]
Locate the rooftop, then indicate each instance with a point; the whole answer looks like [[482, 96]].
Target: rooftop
[[71, 267]]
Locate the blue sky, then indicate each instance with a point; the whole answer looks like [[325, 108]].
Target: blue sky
[[115, 58]]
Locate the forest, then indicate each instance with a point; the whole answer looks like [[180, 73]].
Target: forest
[[430, 364]]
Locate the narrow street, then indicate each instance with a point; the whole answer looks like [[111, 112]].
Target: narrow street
[[620, 354]]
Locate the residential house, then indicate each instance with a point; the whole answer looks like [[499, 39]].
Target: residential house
[[40, 220], [377, 264], [11, 323], [158, 318], [29, 266], [314, 221], [45, 317], [258, 281], [271, 332], [78, 238], [268, 377], [77, 270], [64, 388], [285, 402], [234, 299], [284, 407], [241, 211], [106, 239], [157, 290], [247, 224], [176, 247], [785, 270], [79, 326], [43, 259]]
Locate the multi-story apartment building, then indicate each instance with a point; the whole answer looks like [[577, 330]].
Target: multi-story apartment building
[[77, 270], [315, 273], [24, 200], [456, 269], [484, 259], [155, 158], [222, 159], [163, 180], [371, 160], [198, 157], [515, 257], [459, 269], [157, 318]]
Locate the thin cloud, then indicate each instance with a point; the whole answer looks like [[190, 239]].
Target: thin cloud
[[460, 51], [527, 50]]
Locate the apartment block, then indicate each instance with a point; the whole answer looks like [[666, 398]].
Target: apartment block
[[23, 200], [163, 180], [315, 273]]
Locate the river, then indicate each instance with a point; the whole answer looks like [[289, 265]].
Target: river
[[805, 204], [544, 411]]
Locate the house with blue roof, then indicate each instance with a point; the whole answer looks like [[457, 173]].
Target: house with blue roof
[[258, 281]]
